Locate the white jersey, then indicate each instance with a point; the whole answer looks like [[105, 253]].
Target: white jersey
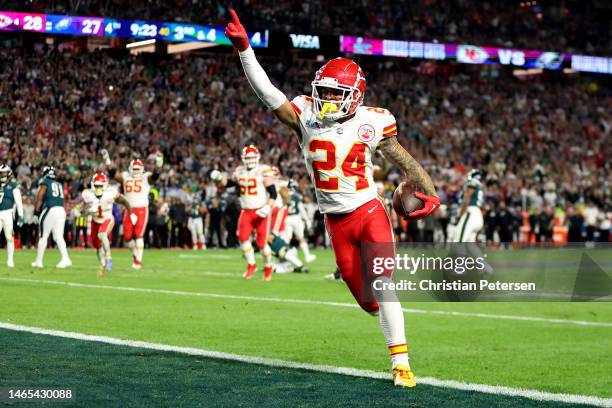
[[136, 189], [339, 157], [251, 183], [100, 209]]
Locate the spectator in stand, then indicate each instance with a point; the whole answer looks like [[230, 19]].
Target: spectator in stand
[[27, 233]]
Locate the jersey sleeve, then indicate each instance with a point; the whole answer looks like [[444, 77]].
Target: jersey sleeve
[[300, 104], [114, 192], [384, 125], [267, 171], [389, 125]]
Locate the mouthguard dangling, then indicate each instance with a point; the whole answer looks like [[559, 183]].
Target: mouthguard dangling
[[328, 107]]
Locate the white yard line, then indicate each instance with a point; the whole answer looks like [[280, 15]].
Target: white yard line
[[308, 302], [489, 389]]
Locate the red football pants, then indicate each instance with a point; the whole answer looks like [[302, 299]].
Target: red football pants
[[131, 231], [99, 228], [367, 228], [249, 221]]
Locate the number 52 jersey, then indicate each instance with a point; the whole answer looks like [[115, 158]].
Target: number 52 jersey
[[339, 157]]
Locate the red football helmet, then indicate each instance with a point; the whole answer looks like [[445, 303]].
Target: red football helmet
[[136, 167], [342, 74], [99, 182], [250, 156]]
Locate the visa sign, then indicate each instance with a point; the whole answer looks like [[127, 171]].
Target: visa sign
[[305, 41]]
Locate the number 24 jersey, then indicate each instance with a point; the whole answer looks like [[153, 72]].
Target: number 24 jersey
[[339, 157]]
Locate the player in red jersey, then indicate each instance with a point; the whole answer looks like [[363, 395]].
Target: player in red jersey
[[257, 195], [338, 137]]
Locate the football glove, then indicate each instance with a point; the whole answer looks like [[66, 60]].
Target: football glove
[[264, 211], [105, 157], [159, 159], [19, 222], [236, 33], [216, 176], [133, 218], [430, 203]]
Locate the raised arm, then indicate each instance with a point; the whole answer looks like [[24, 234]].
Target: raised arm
[[112, 170], [415, 174], [271, 96]]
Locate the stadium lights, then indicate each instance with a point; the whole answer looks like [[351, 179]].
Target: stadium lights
[[190, 46], [141, 43], [525, 72]]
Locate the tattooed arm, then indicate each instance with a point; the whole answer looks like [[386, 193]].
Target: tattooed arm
[[415, 173]]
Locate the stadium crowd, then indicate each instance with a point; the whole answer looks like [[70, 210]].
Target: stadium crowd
[[543, 144], [555, 26]]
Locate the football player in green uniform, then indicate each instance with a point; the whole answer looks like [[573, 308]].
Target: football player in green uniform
[[51, 217], [10, 197]]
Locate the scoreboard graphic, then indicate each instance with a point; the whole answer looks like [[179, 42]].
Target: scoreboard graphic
[[110, 27]]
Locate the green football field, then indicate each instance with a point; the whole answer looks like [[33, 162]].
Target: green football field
[[186, 330]]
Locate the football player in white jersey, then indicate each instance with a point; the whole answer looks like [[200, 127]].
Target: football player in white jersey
[[135, 187], [99, 200], [338, 138], [257, 196]]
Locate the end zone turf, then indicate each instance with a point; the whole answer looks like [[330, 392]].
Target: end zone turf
[[106, 371]]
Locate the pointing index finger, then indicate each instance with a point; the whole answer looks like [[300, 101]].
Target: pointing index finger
[[234, 17]]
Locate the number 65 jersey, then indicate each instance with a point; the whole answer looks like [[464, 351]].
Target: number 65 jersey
[[136, 189], [339, 156]]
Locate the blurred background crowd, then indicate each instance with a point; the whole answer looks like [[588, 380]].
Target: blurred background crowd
[[544, 143]]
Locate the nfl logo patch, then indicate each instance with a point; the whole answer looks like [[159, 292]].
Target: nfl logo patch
[[365, 133]]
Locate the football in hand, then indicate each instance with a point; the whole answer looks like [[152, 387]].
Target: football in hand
[[404, 201]]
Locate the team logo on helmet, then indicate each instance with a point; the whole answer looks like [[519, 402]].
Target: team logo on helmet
[[5, 173], [475, 174], [49, 172], [365, 133], [250, 156], [345, 77], [136, 167], [99, 183]]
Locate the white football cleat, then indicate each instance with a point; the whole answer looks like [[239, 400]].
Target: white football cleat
[[64, 263], [136, 265], [310, 258], [10, 264], [37, 264]]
